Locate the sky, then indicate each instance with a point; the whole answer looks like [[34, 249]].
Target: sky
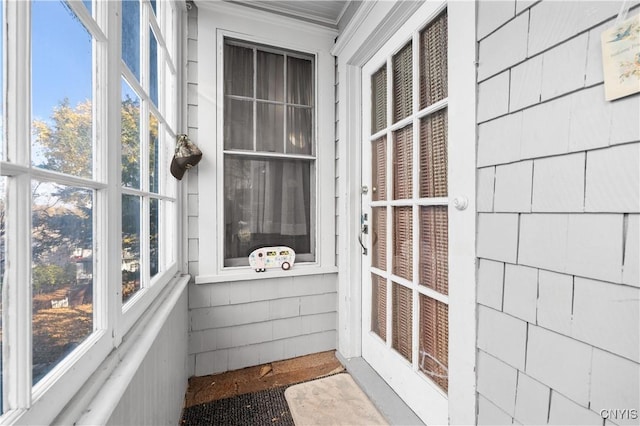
[[61, 55]]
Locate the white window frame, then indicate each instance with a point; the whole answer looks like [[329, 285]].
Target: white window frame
[[216, 22], [40, 404]]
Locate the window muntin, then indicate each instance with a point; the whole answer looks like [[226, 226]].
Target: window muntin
[[49, 192], [269, 108]]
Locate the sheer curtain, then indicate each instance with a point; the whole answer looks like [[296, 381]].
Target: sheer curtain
[[267, 199]]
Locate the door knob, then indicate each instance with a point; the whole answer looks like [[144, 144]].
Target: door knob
[[460, 203]]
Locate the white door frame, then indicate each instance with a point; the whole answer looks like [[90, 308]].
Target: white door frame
[[373, 24]]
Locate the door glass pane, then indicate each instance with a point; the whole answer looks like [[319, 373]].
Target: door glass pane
[[267, 203], [270, 76], [238, 124], [238, 70], [270, 121], [154, 152], [402, 83], [130, 136], [299, 81], [299, 130], [434, 340], [61, 90], [130, 246], [403, 163], [434, 248], [154, 222], [403, 242], [62, 272], [379, 100], [433, 62], [433, 155], [153, 67], [379, 169], [379, 237], [379, 306], [402, 320], [131, 36]]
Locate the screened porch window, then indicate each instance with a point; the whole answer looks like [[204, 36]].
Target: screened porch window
[[269, 150]]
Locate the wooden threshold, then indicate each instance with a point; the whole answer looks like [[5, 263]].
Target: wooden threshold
[[266, 376]]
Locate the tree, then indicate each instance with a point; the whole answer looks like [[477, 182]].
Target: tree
[[66, 144]]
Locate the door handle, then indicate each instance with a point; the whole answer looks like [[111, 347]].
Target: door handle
[[364, 249]]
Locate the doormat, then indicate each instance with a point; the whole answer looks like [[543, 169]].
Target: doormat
[[333, 400], [267, 407]]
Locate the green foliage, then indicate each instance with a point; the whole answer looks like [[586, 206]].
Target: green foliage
[[48, 277], [67, 143]]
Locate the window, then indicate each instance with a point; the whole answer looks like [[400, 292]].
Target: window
[[93, 231], [269, 151]]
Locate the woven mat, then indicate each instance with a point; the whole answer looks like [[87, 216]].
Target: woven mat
[[333, 400], [267, 407]]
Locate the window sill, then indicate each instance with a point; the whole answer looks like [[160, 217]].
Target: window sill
[[248, 274]]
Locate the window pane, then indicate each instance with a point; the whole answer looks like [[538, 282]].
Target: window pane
[[433, 155], [154, 219], [154, 160], [131, 35], [403, 163], [130, 246], [434, 340], [403, 242], [153, 68], [434, 248], [299, 81], [433, 61], [267, 202], [87, 4], [379, 306], [270, 76], [402, 83], [62, 128], [153, 6], [62, 272], [130, 118], [402, 320], [299, 130], [379, 169], [238, 70], [238, 124], [379, 100], [270, 121], [379, 238]]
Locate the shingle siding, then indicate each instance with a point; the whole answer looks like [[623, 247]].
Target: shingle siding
[[558, 225], [238, 324]]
